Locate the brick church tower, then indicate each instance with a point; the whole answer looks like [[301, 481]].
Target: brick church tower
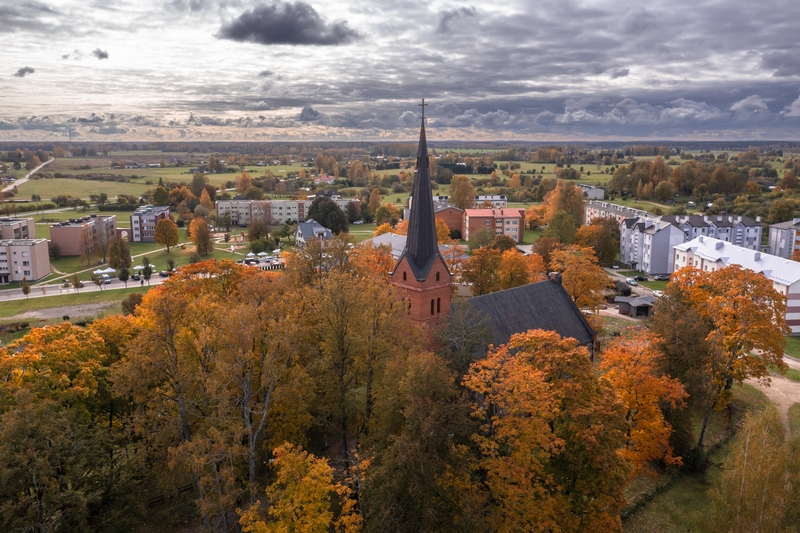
[[421, 275]]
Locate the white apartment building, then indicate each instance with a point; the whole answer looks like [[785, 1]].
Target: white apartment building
[[739, 230], [598, 209], [144, 220], [709, 254], [23, 258], [646, 244], [243, 212], [784, 239], [275, 212]]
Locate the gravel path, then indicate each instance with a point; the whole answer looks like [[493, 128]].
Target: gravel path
[[783, 392]]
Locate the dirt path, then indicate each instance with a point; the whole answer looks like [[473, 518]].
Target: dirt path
[[21, 181], [72, 311], [783, 392]]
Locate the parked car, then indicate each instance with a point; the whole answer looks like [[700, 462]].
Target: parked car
[[136, 277], [661, 278], [163, 274], [658, 294], [106, 279], [632, 282], [640, 278]]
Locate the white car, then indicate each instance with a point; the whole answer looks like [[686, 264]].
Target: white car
[[632, 282], [658, 294]]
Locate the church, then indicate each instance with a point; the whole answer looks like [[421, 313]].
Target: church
[[421, 273], [422, 276]]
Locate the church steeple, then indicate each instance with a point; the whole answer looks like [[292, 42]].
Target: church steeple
[[421, 274], [421, 245]]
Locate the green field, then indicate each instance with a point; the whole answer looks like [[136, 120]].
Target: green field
[[684, 505], [48, 188], [15, 307]]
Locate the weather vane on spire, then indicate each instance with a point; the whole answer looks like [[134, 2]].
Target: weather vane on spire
[[423, 105]]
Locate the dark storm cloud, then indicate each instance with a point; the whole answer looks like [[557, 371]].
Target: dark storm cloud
[[449, 15], [309, 114], [620, 73], [27, 16], [100, 54], [77, 55], [265, 73], [784, 63], [287, 23], [24, 71]]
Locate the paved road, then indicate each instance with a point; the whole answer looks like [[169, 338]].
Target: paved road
[[28, 175], [56, 290]]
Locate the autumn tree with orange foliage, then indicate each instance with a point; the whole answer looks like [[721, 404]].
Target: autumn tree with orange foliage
[[601, 234], [549, 437], [631, 364], [402, 227], [442, 231], [745, 315], [200, 234], [565, 197], [582, 277], [481, 271], [516, 269], [382, 229], [534, 216]]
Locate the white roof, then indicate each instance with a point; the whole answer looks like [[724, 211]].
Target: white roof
[[777, 269]]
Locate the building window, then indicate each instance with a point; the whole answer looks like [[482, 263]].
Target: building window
[[404, 276], [437, 276], [487, 223], [438, 305], [432, 302]]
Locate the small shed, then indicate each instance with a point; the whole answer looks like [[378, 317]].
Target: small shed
[[635, 306]]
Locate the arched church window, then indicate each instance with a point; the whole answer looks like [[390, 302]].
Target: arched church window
[[432, 307]]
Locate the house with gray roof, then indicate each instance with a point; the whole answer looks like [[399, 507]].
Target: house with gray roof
[[310, 229]]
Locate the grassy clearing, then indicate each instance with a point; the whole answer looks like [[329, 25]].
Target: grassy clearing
[[361, 232], [791, 373], [792, 347], [655, 285], [684, 504], [47, 188], [794, 419], [16, 307]]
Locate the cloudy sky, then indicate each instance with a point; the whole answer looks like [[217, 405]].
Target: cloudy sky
[[356, 69]]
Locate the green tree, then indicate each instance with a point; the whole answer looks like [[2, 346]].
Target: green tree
[[479, 239], [124, 276], [561, 227], [26, 288], [119, 253], [326, 212], [160, 196], [147, 271]]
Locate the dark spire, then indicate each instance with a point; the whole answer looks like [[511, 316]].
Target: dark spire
[[421, 245]]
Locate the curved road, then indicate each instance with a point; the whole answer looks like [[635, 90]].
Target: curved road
[[28, 175]]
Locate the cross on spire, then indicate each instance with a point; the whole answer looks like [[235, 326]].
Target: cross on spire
[[423, 105]]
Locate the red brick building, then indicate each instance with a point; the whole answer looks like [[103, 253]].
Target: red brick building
[[451, 215], [421, 274], [506, 221]]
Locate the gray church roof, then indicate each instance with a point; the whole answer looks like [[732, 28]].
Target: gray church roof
[[543, 305]]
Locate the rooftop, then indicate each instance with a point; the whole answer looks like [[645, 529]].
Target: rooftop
[[777, 269], [11, 221], [21, 242]]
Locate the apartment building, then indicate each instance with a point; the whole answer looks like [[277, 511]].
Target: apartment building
[[480, 202], [17, 228], [243, 212], [274, 211], [78, 236], [144, 220], [739, 230], [646, 244], [784, 239], [509, 222], [598, 209], [23, 258], [709, 254], [592, 192]]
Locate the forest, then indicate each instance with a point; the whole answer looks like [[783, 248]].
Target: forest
[[233, 399]]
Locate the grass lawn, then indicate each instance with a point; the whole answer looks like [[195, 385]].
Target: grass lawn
[[47, 188], [791, 373], [361, 232], [792, 347], [15, 307], [794, 419], [684, 504], [532, 235], [655, 285]]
